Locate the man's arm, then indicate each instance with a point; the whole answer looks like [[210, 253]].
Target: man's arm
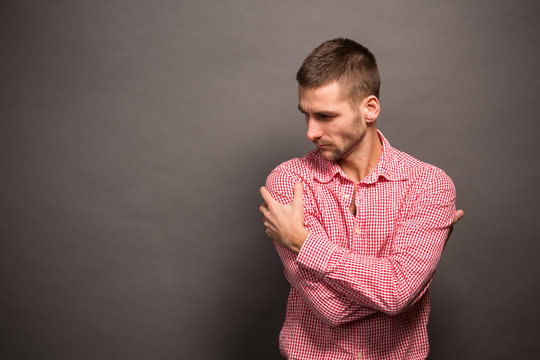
[[326, 303], [387, 284]]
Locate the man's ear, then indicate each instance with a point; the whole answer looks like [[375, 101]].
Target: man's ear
[[371, 108]]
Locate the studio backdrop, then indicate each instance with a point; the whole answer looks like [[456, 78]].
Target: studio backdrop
[[135, 136]]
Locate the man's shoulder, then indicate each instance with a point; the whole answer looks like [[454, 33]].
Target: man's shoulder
[[417, 171], [281, 180], [301, 168]]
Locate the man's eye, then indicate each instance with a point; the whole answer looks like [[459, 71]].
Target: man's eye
[[326, 117]]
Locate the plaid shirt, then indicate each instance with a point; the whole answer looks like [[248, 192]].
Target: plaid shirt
[[359, 283]]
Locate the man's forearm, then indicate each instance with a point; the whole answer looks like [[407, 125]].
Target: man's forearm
[[326, 303]]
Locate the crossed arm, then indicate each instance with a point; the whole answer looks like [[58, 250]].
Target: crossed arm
[[348, 286]]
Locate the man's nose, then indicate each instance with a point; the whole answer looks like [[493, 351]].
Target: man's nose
[[314, 130]]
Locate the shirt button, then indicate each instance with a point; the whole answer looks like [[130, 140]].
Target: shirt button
[[357, 230], [346, 197]]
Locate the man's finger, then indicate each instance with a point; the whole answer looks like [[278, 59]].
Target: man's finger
[[268, 199], [458, 215], [298, 194]]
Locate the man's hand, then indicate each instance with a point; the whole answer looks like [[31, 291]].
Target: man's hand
[[285, 223], [457, 216]]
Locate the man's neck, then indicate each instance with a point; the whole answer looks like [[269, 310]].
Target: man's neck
[[363, 159]]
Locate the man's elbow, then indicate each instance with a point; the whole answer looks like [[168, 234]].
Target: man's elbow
[[402, 302]]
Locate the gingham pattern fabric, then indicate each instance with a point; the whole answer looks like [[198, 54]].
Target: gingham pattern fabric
[[359, 284]]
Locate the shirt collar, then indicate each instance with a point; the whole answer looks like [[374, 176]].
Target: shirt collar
[[388, 166]]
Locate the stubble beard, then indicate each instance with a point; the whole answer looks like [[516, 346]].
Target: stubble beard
[[349, 143]]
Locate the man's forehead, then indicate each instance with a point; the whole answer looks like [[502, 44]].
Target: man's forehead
[[326, 96]]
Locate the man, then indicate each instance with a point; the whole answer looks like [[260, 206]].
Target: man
[[358, 225]]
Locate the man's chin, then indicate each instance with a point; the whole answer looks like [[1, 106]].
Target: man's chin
[[328, 155]]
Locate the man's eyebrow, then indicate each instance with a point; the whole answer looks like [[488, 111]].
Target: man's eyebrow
[[326, 112], [319, 113]]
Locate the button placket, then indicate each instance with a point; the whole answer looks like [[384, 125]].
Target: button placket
[[348, 191], [359, 229]]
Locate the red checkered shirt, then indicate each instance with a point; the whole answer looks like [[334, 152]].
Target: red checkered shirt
[[359, 285]]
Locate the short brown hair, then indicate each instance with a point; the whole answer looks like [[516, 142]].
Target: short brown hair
[[344, 61]]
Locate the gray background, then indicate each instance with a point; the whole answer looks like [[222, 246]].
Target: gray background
[[135, 136]]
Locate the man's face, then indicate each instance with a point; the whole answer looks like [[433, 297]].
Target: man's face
[[332, 124]]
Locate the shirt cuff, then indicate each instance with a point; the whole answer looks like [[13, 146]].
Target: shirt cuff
[[315, 253]]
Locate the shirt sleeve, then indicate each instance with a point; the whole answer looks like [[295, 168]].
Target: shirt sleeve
[[392, 283], [328, 304]]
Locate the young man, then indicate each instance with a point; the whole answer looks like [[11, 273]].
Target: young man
[[358, 225]]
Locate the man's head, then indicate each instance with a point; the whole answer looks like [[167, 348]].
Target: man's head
[[346, 62], [338, 95]]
